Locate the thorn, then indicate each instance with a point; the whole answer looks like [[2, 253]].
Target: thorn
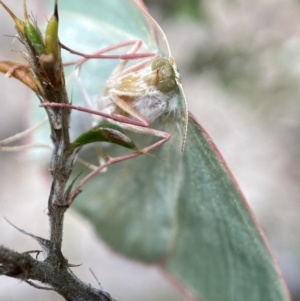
[[56, 10], [26, 17], [39, 286], [19, 24], [45, 244]]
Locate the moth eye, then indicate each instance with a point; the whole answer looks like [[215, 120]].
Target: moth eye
[[166, 85], [158, 63], [165, 75], [165, 72]]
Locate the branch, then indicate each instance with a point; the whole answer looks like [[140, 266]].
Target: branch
[[60, 278], [45, 76]]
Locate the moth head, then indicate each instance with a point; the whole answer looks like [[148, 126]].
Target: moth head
[[166, 80]]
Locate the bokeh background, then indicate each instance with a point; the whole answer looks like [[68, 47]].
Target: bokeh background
[[240, 65]]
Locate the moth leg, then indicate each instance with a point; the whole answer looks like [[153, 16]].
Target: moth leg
[[100, 155], [148, 131], [122, 104], [24, 147], [116, 117], [100, 55], [83, 91], [21, 135], [86, 164], [166, 136], [89, 104], [133, 68], [120, 70], [123, 62]]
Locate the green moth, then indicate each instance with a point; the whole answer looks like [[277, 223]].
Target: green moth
[[180, 209]]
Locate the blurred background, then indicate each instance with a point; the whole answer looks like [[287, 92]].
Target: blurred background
[[240, 65]]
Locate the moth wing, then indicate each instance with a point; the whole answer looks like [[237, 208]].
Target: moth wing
[[219, 246], [133, 205]]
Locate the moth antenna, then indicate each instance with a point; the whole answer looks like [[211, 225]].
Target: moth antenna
[[142, 7], [186, 118]]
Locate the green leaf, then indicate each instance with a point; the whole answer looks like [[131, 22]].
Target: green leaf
[[104, 133], [51, 35], [33, 35], [34, 38]]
